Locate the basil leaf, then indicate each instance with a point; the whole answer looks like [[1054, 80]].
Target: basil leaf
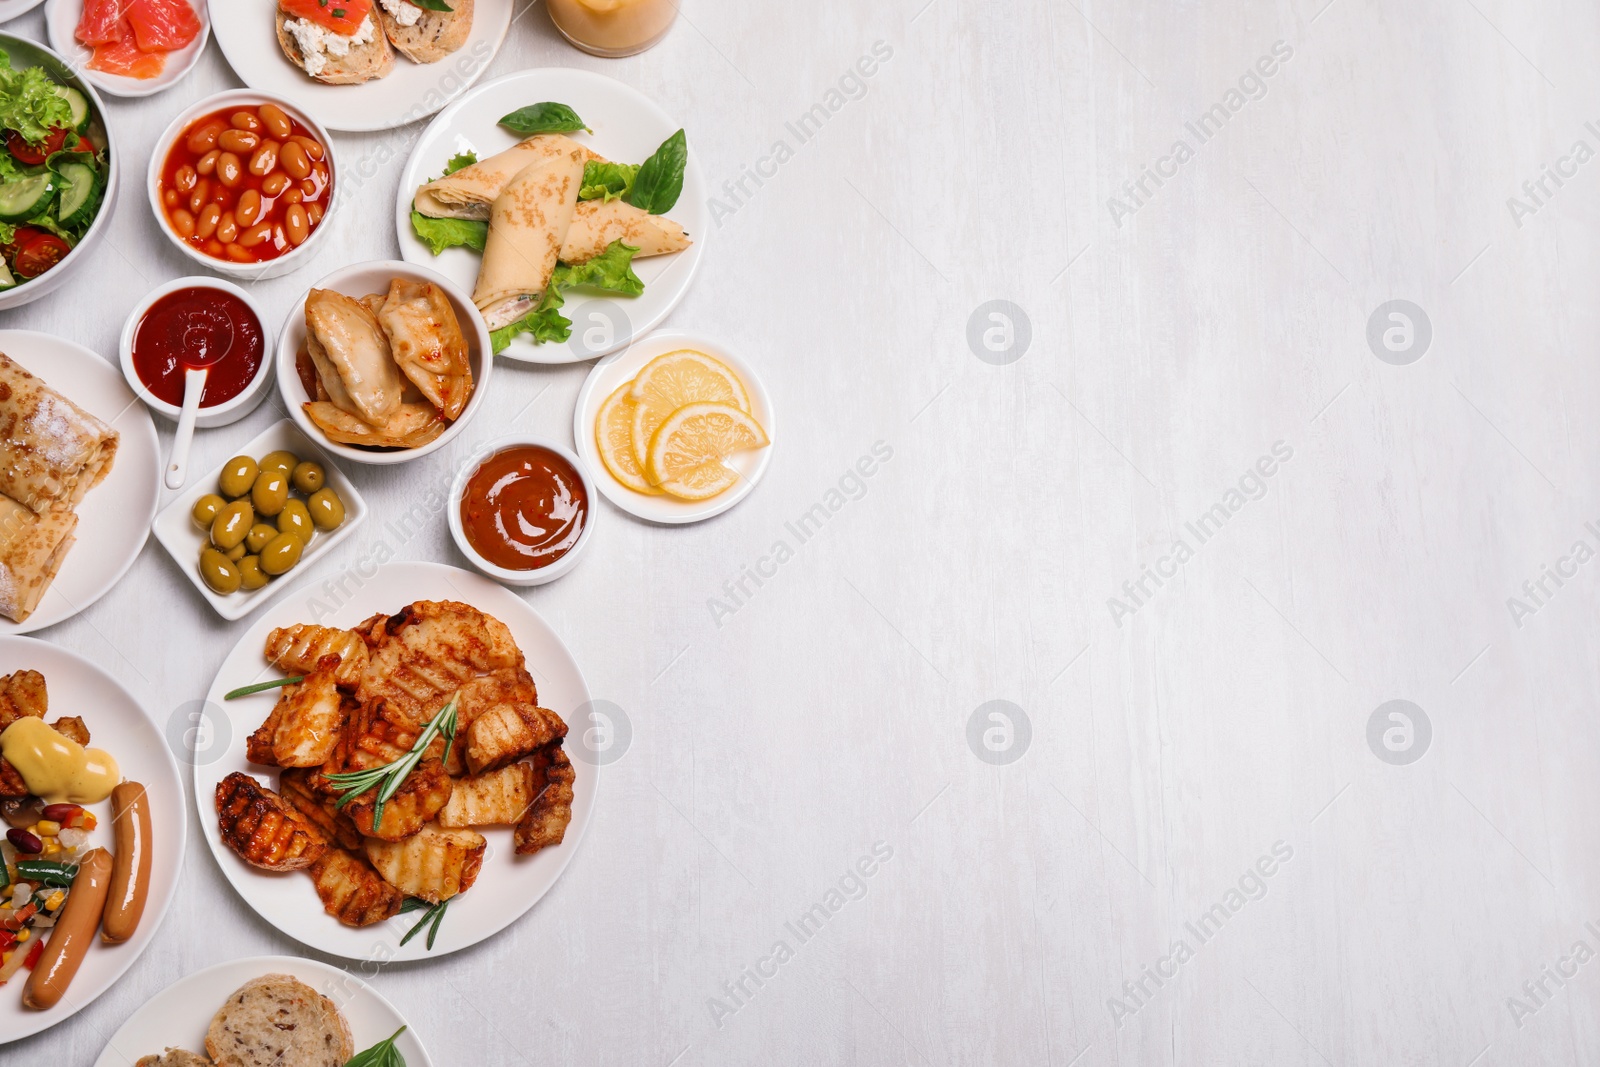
[[607, 181], [659, 182], [383, 1054], [548, 117], [433, 5]]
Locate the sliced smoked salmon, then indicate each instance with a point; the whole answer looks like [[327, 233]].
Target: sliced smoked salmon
[[102, 22], [343, 17], [123, 57], [162, 25]]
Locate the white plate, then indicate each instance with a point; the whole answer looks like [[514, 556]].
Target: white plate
[[182, 539], [628, 128], [612, 372], [10, 9], [114, 519], [118, 724], [410, 92], [179, 1015], [61, 19], [510, 885]]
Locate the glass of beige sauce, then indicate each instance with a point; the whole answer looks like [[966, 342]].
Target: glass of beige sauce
[[613, 28]]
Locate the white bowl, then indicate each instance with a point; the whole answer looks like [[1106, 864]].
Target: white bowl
[[253, 272], [357, 281], [61, 20], [229, 411], [182, 539], [458, 489], [26, 53]]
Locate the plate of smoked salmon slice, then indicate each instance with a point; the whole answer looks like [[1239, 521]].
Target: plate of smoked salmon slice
[[129, 47]]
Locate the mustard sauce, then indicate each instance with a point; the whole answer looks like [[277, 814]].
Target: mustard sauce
[[56, 768]]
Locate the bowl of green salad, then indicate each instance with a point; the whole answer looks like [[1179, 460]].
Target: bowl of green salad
[[58, 173]]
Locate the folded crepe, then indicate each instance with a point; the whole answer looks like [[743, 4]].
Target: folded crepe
[[31, 550], [469, 192], [527, 226], [52, 452], [597, 223]]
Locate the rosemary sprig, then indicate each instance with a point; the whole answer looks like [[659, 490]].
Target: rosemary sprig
[[434, 915], [262, 687], [388, 778], [383, 1054]]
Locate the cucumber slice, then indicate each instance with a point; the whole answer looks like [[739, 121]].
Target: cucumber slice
[[26, 197], [78, 103], [77, 193]]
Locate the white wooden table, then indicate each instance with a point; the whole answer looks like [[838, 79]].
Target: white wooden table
[[1195, 767]]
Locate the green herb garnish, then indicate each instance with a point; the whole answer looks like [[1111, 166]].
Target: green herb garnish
[[388, 778], [383, 1054], [548, 117], [434, 915], [611, 271], [659, 182], [262, 687], [607, 181]]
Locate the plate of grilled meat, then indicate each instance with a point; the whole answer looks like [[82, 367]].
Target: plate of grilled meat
[[387, 777]]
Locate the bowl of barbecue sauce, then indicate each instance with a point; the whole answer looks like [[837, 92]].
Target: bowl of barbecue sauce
[[198, 322], [522, 510]]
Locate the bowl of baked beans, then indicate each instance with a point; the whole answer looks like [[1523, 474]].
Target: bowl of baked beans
[[243, 183]]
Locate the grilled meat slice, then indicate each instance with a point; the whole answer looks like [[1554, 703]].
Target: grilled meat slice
[[22, 695], [423, 795], [352, 891], [508, 686], [298, 649], [428, 650], [263, 828], [546, 822], [313, 797], [507, 732], [433, 864], [308, 718], [498, 798], [71, 726]]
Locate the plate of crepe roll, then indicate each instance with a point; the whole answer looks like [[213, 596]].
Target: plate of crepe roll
[[80, 476], [568, 204]]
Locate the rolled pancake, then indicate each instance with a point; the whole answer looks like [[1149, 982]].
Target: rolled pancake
[[52, 452], [527, 228], [470, 191], [597, 223], [32, 548]]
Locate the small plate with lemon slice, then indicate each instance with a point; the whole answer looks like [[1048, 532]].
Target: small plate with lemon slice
[[674, 429]]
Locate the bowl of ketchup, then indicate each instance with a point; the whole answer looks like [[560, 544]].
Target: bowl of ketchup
[[198, 322], [521, 510]]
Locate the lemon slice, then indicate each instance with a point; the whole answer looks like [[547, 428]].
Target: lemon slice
[[687, 452], [669, 382], [613, 437]]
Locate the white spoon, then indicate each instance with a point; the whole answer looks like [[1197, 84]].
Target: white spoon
[[194, 387]]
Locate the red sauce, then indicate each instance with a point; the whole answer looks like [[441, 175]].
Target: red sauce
[[241, 201], [198, 327], [524, 508]]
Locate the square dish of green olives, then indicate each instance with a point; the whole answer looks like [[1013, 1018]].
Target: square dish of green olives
[[270, 512]]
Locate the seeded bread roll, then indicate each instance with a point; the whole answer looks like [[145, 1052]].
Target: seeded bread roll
[[276, 1020], [433, 36], [174, 1057], [362, 63]]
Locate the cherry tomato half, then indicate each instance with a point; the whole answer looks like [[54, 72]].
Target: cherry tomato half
[[33, 155], [39, 254]]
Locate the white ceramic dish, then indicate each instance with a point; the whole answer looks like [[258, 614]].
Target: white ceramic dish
[[229, 411], [541, 575], [179, 1015], [26, 53], [114, 519], [10, 9], [509, 885], [61, 19], [612, 372], [410, 92], [628, 128], [251, 272], [118, 724], [357, 281], [182, 539]]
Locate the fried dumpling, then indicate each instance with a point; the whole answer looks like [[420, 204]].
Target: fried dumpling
[[351, 353], [408, 426], [426, 341]]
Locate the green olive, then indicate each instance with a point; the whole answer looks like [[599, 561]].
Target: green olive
[[270, 492], [238, 475], [258, 536], [232, 524], [295, 518], [206, 508], [327, 510], [281, 461], [252, 574], [308, 477], [219, 571], [281, 553], [236, 553]]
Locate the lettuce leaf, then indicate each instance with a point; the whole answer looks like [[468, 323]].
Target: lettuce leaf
[[607, 181], [465, 159], [440, 234], [29, 102], [611, 271]]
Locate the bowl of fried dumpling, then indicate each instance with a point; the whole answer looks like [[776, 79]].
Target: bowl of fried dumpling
[[383, 362]]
